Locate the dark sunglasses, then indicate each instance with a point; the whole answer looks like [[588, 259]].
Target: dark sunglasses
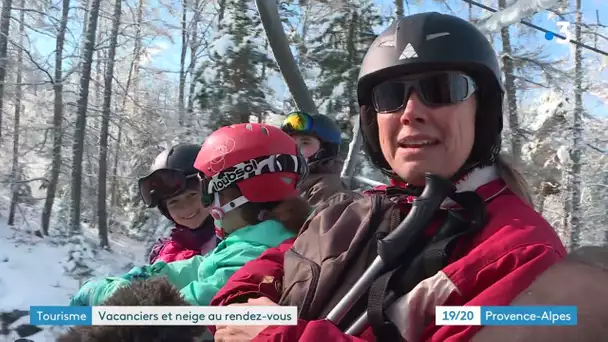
[[434, 90], [165, 183]]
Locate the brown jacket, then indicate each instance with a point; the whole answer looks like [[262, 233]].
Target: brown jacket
[[323, 183], [338, 243], [315, 286]]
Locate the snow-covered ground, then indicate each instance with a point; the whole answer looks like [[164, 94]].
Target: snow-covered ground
[[31, 272]]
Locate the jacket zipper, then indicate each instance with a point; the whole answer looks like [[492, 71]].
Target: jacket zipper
[[394, 218], [315, 270]]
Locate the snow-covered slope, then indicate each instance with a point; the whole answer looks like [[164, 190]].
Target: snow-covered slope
[[31, 273]]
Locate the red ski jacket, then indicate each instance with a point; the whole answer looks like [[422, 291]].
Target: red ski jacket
[[184, 243], [514, 247]]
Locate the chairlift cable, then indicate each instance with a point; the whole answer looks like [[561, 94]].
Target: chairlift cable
[[529, 24]]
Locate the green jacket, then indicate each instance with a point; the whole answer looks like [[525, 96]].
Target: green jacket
[[200, 277]]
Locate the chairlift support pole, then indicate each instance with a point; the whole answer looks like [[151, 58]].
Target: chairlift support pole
[[269, 14]]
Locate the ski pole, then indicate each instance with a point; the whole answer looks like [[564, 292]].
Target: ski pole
[[399, 241], [454, 225]]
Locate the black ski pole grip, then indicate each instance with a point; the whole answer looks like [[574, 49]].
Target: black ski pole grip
[[423, 210], [455, 225], [401, 239]]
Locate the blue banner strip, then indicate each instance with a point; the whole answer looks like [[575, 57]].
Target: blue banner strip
[[529, 315], [61, 315]]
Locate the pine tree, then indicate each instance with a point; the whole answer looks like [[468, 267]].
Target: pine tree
[[232, 86], [338, 50]]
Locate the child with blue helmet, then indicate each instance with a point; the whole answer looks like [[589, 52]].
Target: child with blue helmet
[[319, 138]]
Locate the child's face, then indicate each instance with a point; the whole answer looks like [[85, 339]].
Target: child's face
[[309, 145], [187, 209], [232, 220]]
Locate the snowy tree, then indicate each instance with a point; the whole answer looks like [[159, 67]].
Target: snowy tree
[[337, 49], [574, 175], [231, 83]]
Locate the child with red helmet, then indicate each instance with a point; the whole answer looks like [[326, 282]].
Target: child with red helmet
[[247, 171], [250, 175]]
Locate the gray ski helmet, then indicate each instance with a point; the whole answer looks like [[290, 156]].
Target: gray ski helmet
[[430, 42]]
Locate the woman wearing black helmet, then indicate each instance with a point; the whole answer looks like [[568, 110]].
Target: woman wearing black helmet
[[430, 93], [173, 187], [319, 138]]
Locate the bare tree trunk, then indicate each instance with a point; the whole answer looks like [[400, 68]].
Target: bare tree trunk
[[94, 121], [102, 213], [349, 170], [114, 200], [131, 79], [94, 126], [98, 76], [575, 176], [5, 25], [91, 150], [81, 117], [220, 15], [57, 119], [15, 169], [566, 231], [351, 49], [302, 47], [182, 66], [85, 22], [137, 61], [398, 8], [511, 90], [194, 46]]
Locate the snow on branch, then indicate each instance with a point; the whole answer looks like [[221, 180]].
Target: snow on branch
[[514, 13]]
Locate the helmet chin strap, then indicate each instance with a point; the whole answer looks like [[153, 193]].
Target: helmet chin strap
[[218, 211]]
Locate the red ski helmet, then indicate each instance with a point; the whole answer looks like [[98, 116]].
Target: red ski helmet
[[264, 162]]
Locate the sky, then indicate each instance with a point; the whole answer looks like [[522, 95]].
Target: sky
[[541, 19], [166, 53]]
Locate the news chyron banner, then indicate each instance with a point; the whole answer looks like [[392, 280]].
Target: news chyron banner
[[163, 315], [506, 315], [282, 315]]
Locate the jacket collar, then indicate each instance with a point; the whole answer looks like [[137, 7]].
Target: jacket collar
[[327, 165], [486, 181], [266, 233], [194, 238], [325, 169]]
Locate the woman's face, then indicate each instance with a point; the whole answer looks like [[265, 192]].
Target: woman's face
[[187, 209], [417, 139], [309, 145]]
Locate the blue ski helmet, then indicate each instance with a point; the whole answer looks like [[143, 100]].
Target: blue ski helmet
[[319, 126]]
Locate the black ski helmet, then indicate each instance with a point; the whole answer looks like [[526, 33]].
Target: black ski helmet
[[434, 42], [323, 128], [179, 157]]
